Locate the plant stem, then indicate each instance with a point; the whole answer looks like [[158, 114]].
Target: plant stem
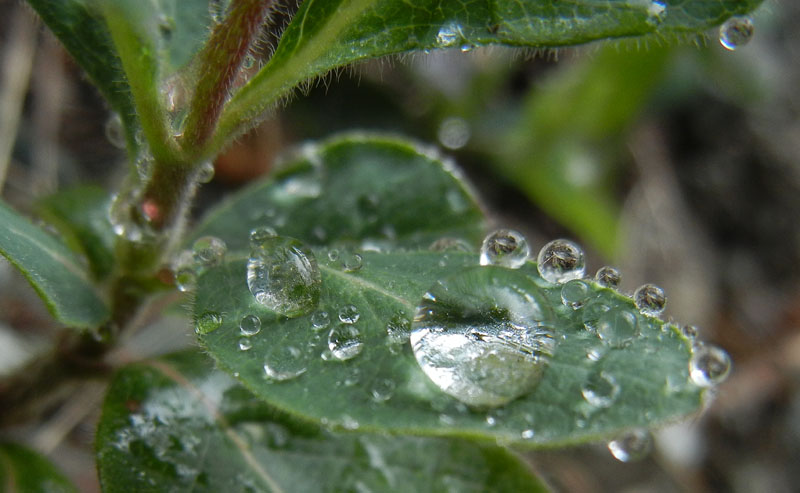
[[218, 66]]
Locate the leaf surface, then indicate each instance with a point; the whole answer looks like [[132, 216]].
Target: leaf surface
[[57, 275], [177, 424], [24, 471]]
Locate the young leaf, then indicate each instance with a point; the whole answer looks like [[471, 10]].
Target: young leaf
[[53, 271], [359, 357], [354, 189], [81, 216], [330, 34], [25, 471], [177, 424]]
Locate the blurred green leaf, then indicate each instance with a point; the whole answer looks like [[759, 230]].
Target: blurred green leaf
[[24, 471]]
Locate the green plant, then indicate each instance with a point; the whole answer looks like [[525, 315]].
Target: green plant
[[306, 287]]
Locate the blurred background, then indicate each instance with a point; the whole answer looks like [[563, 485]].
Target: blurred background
[[679, 163]]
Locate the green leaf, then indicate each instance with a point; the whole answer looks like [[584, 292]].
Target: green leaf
[[81, 216], [24, 471], [177, 424], [354, 190], [53, 270], [385, 292], [330, 34]]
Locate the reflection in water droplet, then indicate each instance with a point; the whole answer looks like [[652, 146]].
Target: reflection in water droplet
[[600, 390], [208, 322], [344, 341], [115, 132], [250, 325], [287, 364], [560, 261], [709, 365], [382, 390], [320, 320], [282, 274], [650, 299], [736, 32], [575, 293], [349, 314], [631, 446], [617, 327], [185, 278], [689, 332], [483, 335], [505, 248], [608, 277], [352, 263], [245, 344], [208, 251]]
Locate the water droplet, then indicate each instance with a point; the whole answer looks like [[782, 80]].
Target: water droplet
[[491, 420], [320, 320], [617, 327], [600, 390], [286, 364], [596, 353], [398, 328], [527, 434], [250, 325], [481, 335], [205, 173], [575, 293], [560, 261], [352, 378], [448, 35], [656, 12], [115, 132], [650, 299], [349, 314], [505, 248], [631, 446], [245, 344], [248, 62], [208, 322], [333, 255], [282, 274], [382, 390], [352, 263], [344, 341], [608, 277], [454, 133], [450, 245], [185, 278], [208, 251], [689, 332], [709, 365], [736, 32]]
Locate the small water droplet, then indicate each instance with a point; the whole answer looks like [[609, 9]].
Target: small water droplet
[[185, 278], [491, 420], [600, 390], [248, 62], [709, 365], [631, 446], [333, 255], [320, 320], [344, 341], [383, 390], [689, 332], [352, 378], [560, 261], [115, 132], [656, 12], [288, 363], [454, 133], [596, 353], [448, 35], [505, 248], [349, 314], [283, 276], [736, 32], [250, 325], [398, 328], [208, 251], [349, 423], [208, 322], [245, 344], [352, 263], [608, 277], [448, 244], [575, 293], [617, 327], [650, 299], [205, 173], [527, 434]]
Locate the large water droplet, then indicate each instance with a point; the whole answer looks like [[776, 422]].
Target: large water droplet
[[608, 277], [250, 325], [208, 251], [349, 314], [617, 327], [560, 261], [483, 335], [208, 322], [736, 32], [650, 299], [575, 293], [505, 248], [282, 274], [600, 390], [287, 364], [709, 365], [631, 446], [344, 341]]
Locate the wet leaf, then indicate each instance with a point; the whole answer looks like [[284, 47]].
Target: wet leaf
[[54, 271], [177, 424], [24, 471]]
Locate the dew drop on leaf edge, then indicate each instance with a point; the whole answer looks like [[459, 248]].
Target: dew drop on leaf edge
[[736, 32], [505, 248], [560, 261], [631, 446], [709, 365]]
